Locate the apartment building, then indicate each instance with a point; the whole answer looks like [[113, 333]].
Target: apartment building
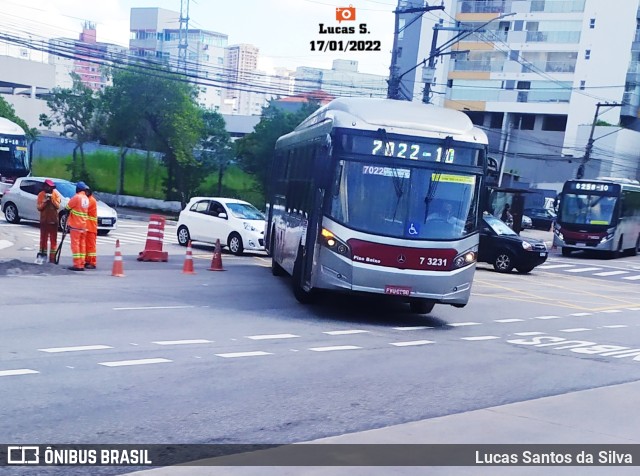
[[532, 73], [155, 33], [246, 93], [342, 80], [84, 57]]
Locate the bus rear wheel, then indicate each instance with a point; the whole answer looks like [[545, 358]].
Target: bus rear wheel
[[421, 306]]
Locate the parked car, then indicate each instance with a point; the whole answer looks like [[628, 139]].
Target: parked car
[[19, 203], [505, 250], [541, 218], [237, 224]]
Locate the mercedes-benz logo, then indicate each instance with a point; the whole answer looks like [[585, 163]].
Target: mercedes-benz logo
[[402, 259]]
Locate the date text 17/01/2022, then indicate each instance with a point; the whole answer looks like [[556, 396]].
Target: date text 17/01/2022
[[344, 45]]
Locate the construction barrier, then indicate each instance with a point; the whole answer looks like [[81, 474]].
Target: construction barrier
[[187, 267], [117, 269], [216, 260], [155, 236]]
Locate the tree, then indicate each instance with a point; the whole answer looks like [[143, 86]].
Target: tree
[[8, 112], [75, 109], [158, 111], [255, 151], [216, 145]]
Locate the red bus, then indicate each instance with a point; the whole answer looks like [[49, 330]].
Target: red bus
[[600, 215]]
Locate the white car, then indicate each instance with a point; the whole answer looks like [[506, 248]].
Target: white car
[[19, 203], [237, 224]]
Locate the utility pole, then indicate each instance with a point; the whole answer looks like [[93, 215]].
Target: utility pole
[[589, 147], [183, 36], [393, 89]]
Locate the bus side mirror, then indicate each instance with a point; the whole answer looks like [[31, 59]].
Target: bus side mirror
[[322, 164]]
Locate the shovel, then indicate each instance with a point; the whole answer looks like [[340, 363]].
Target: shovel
[[59, 250]]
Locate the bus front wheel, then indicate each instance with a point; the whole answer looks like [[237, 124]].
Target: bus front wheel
[[421, 306]]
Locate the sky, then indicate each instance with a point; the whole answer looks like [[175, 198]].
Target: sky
[[282, 29]]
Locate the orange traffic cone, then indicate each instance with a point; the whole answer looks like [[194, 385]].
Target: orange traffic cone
[[187, 267], [117, 271], [216, 261]]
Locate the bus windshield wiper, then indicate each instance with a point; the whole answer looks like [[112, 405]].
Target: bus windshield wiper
[[435, 176], [398, 183]]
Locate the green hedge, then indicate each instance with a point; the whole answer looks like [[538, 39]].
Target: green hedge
[[103, 168]]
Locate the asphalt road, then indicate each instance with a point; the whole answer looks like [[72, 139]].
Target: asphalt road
[[159, 356]]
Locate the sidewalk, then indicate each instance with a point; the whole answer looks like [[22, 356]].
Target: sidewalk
[[600, 416]]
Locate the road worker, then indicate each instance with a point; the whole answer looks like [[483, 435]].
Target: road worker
[[78, 208], [92, 231], [48, 204]]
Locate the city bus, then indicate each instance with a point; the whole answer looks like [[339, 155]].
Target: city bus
[[601, 215], [14, 154], [378, 196]]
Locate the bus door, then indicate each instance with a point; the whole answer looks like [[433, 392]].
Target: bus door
[[322, 172]]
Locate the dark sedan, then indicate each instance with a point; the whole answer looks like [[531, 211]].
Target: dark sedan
[[505, 250], [541, 218]]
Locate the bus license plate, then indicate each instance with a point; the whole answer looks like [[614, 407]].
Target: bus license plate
[[397, 290]]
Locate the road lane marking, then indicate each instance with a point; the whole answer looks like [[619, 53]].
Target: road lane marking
[[508, 320], [576, 329], [414, 328], [146, 308], [341, 333], [580, 314], [5, 244], [632, 278], [529, 333], [480, 338], [122, 363], [461, 324], [610, 273], [272, 336], [615, 326], [554, 266], [335, 347], [415, 342], [546, 317], [611, 311], [8, 373], [79, 348], [232, 355], [581, 270], [183, 342]]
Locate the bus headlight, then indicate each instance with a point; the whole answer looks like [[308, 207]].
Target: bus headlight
[[465, 258], [334, 243]]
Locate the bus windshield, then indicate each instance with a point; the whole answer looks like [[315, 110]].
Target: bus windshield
[[404, 202], [14, 160], [583, 209]]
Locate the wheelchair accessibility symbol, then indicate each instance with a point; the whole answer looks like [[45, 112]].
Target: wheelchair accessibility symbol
[[412, 229]]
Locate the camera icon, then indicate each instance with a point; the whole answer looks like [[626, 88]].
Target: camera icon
[[346, 13], [23, 454]]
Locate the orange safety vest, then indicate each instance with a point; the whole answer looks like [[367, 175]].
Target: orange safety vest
[[78, 208], [92, 218]]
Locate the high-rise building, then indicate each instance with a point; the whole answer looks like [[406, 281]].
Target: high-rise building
[[246, 94], [532, 72], [155, 33]]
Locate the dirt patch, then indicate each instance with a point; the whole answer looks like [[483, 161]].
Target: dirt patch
[[15, 267]]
